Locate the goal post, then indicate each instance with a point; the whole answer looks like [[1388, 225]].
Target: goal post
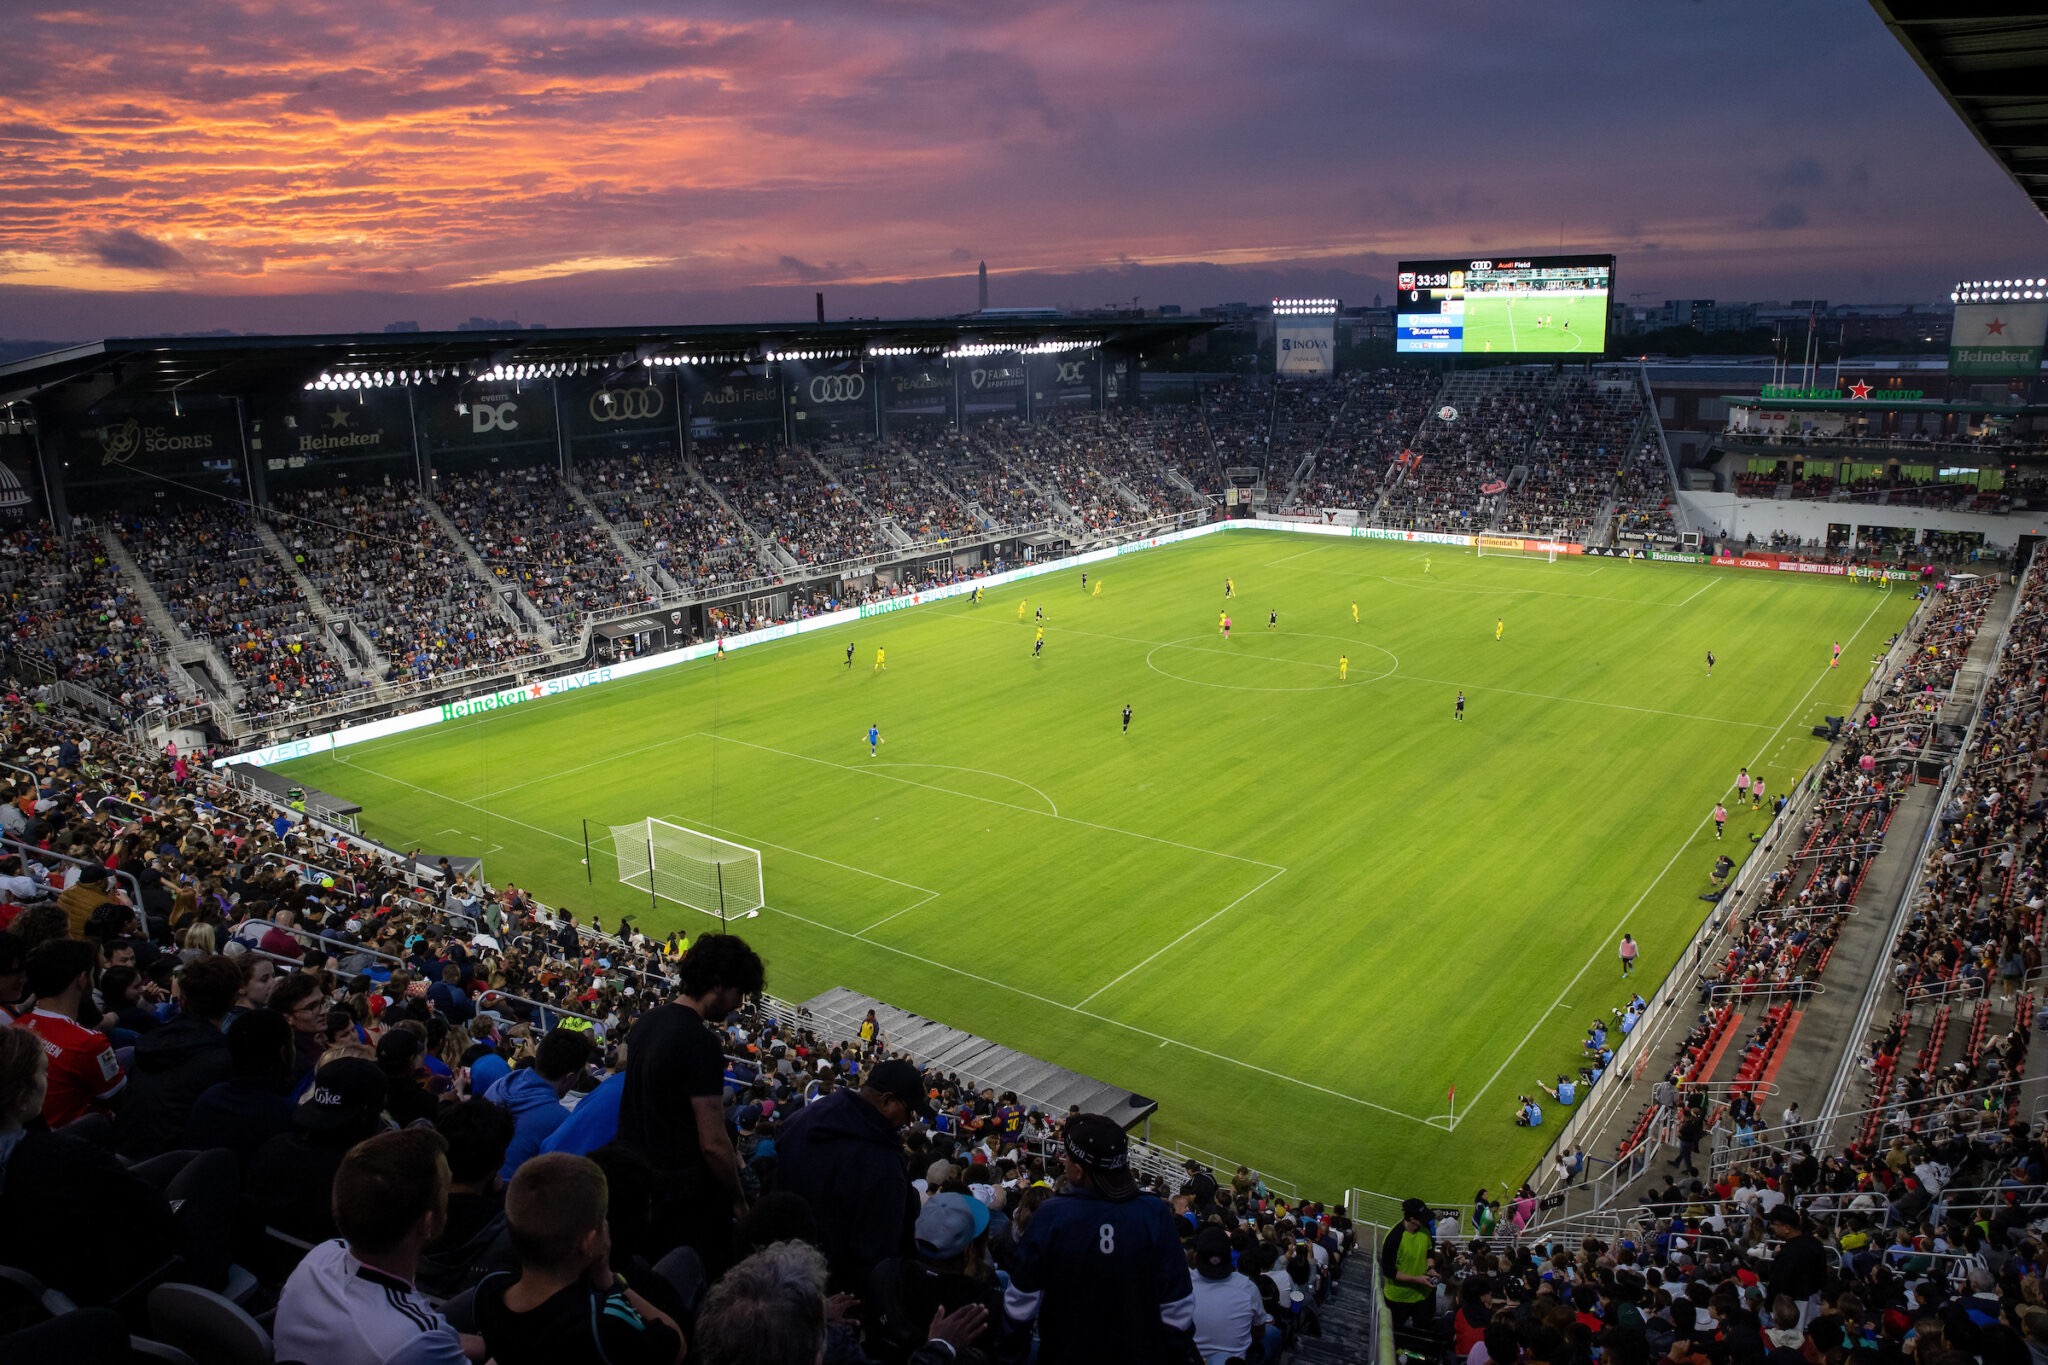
[[690, 868]]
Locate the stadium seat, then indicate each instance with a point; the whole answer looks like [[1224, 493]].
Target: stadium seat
[[208, 1326]]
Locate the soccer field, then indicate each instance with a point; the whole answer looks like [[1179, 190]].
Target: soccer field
[[1294, 908], [1562, 323]]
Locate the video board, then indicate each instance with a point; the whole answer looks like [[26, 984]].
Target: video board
[[1528, 305]]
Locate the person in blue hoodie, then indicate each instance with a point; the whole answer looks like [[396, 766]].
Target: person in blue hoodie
[[533, 1095]]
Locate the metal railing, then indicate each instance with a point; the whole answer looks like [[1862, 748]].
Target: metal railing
[[49, 856]]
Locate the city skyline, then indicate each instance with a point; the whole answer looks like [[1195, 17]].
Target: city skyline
[[328, 167]]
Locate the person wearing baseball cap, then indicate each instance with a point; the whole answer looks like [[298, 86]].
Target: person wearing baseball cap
[[843, 1156], [1229, 1314], [291, 1177], [1409, 1293], [950, 1271], [1100, 1265]]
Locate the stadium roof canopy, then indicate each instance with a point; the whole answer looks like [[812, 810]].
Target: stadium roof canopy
[[132, 369], [1989, 60]]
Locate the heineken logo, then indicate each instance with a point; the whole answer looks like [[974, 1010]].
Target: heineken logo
[[1857, 392], [513, 696]]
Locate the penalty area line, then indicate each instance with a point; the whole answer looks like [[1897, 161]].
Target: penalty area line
[[1188, 934], [1160, 1038], [1432, 1122]]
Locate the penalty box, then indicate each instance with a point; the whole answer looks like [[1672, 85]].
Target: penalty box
[[924, 856]]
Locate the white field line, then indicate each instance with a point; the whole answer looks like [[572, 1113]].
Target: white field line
[[1697, 591], [1186, 936], [1601, 951], [1160, 1038], [1008, 805]]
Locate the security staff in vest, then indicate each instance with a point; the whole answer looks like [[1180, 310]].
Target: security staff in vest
[[1404, 1269]]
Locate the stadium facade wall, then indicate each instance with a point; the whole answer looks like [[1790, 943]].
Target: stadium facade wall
[[1731, 517], [560, 684]]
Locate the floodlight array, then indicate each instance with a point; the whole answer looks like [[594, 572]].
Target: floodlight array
[[1998, 291]]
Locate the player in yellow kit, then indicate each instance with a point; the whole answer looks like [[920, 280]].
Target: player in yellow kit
[[1020, 609], [1499, 625], [1354, 613], [881, 661], [1098, 589], [1343, 667]]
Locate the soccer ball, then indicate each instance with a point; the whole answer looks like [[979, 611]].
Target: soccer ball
[[584, 861]]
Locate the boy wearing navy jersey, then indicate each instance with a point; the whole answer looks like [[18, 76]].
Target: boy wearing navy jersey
[[1100, 1265]]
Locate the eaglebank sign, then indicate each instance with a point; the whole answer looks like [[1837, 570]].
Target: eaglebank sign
[[483, 704]]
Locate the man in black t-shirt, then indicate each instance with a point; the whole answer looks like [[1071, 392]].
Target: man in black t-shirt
[[672, 1111]]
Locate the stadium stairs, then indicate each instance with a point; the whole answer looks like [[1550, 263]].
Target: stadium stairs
[[1346, 1320], [192, 661], [522, 606], [1825, 1025], [647, 568], [768, 553], [358, 659]]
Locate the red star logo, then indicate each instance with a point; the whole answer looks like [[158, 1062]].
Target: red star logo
[[534, 691], [1859, 391], [1995, 327]]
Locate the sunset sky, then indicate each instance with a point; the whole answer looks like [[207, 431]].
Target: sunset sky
[[336, 166]]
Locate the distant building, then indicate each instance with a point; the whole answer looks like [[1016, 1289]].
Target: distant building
[[401, 327]]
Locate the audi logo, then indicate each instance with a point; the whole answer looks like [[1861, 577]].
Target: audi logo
[[626, 405], [838, 388]]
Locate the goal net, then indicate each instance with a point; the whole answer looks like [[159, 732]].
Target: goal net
[[690, 868]]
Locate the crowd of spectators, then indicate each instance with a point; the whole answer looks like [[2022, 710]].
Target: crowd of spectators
[[1919, 1238], [1070, 464], [894, 479], [223, 587], [375, 553], [1474, 451], [1142, 446], [1642, 494], [670, 520], [396, 1110], [787, 499], [69, 609], [538, 539], [987, 466], [1585, 437], [1239, 415], [1382, 412]]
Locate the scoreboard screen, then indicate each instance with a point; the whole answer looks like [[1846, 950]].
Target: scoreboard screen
[[1534, 305]]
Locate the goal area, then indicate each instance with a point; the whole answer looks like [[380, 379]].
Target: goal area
[[689, 868]]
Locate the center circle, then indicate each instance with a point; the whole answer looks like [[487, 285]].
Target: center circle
[[1248, 653]]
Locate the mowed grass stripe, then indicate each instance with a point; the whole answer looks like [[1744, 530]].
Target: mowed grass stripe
[[1443, 882]]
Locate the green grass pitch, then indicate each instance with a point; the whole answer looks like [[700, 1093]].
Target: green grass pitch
[[1295, 909], [1574, 323]]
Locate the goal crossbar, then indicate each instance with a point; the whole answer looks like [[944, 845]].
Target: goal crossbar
[[689, 867]]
